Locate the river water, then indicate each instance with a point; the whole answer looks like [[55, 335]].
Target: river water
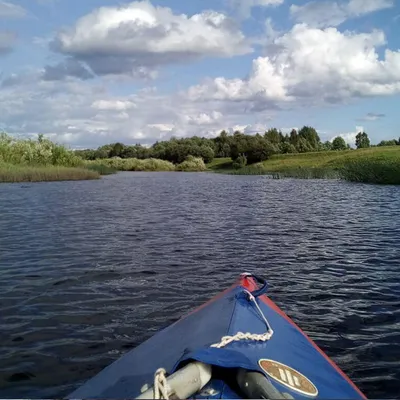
[[88, 270]]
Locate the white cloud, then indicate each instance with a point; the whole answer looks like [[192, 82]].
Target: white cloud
[[141, 37], [311, 65], [249, 129], [361, 7], [82, 114], [10, 10], [162, 127], [244, 7], [350, 137], [113, 105], [203, 118], [86, 114], [265, 83], [360, 129], [333, 13]]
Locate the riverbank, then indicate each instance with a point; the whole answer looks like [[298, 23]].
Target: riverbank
[[13, 173], [24, 173], [191, 164], [373, 165], [26, 160]]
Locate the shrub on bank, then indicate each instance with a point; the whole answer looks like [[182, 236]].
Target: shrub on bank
[[240, 162], [192, 164], [153, 164], [35, 152], [134, 164]]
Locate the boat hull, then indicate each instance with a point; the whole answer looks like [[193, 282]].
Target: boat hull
[[289, 359]]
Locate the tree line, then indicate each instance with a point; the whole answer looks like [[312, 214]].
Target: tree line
[[242, 148]]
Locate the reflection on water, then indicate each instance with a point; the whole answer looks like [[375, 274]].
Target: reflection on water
[[88, 270]]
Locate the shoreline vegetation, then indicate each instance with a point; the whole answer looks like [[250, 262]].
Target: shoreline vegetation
[[379, 165], [14, 174], [298, 155], [26, 160]]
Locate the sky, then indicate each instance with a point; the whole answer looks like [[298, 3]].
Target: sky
[[87, 73]]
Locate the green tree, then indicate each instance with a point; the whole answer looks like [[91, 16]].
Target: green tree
[[222, 145], [106, 149], [142, 152], [117, 150], [362, 140], [293, 137], [328, 145], [388, 143], [206, 153], [310, 135], [255, 148], [303, 146], [87, 154], [339, 143], [273, 136], [286, 147], [129, 152], [177, 150], [238, 145], [101, 153], [260, 149]]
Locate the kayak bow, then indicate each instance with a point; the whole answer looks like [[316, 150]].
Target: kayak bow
[[237, 345]]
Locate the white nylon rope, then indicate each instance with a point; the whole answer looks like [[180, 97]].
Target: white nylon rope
[[248, 336], [161, 387]]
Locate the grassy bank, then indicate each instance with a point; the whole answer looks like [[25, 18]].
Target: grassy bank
[[331, 159], [373, 165], [27, 160], [19, 173], [220, 165]]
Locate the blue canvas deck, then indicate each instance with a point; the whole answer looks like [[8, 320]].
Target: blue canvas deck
[[190, 338]]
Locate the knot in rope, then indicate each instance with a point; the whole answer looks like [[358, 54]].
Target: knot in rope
[[161, 385]]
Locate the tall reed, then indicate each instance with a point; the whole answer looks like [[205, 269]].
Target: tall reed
[[10, 173], [379, 171]]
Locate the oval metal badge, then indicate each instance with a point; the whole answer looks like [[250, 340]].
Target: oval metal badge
[[289, 377]]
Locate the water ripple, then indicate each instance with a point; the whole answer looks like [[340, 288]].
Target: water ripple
[[88, 270]]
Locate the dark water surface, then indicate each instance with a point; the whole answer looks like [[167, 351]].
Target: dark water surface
[[88, 270]]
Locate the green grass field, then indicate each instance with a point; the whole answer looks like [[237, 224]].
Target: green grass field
[[220, 164], [331, 159], [372, 165]]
